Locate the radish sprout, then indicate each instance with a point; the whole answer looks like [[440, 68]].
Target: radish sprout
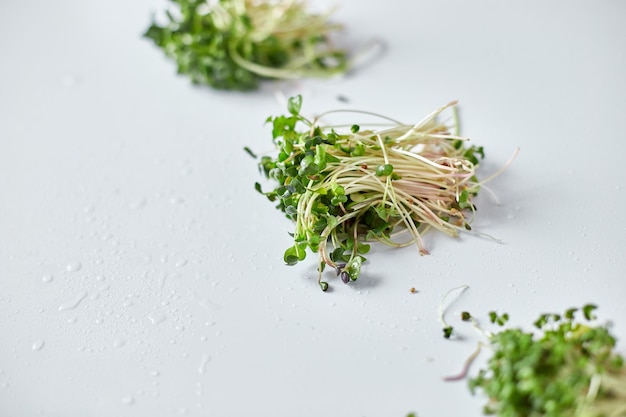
[[232, 44], [567, 367], [343, 188]]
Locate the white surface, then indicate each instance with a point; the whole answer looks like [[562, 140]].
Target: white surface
[[142, 274]]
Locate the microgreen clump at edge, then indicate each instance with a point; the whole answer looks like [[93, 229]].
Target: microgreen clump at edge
[[566, 367], [233, 44]]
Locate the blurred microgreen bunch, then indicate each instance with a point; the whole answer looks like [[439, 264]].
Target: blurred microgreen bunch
[[567, 367], [232, 44]]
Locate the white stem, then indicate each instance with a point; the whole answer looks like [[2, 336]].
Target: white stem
[[443, 299]]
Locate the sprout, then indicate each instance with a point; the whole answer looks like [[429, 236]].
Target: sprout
[[232, 44], [566, 368], [447, 329], [343, 189]]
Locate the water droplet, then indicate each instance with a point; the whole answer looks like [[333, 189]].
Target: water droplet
[[510, 216], [74, 302], [157, 318], [73, 266], [118, 343], [71, 320], [177, 200], [209, 304], [162, 280], [128, 400], [137, 204], [181, 263], [203, 363], [47, 278], [155, 373], [38, 345]]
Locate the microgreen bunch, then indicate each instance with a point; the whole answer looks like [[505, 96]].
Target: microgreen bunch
[[567, 368], [232, 44], [344, 188]]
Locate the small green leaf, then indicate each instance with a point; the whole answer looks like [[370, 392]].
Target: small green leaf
[[338, 189], [337, 255], [294, 254], [541, 321], [588, 310], [447, 332], [383, 212], [384, 170], [314, 242], [363, 248], [499, 320], [569, 314], [294, 105], [339, 199], [359, 150], [249, 152], [290, 257], [354, 268], [464, 199], [324, 285], [332, 222], [493, 316]]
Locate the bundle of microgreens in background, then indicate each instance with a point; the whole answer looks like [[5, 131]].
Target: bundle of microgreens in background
[[232, 44], [343, 189], [568, 367]]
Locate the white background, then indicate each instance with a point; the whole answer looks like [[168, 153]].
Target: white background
[[142, 275]]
